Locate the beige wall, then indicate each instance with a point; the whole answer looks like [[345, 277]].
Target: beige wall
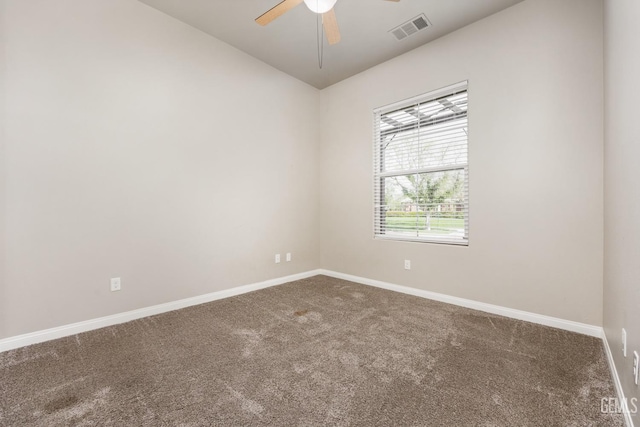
[[2, 174], [622, 194], [139, 147], [535, 76]]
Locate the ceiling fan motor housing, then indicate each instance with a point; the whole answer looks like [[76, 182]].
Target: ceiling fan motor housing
[[320, 6]]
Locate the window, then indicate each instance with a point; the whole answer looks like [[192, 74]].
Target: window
[[421, 168]]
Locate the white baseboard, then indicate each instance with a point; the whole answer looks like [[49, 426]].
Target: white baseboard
[[581, 328], [101, 322], [88, 325], [616, 382]]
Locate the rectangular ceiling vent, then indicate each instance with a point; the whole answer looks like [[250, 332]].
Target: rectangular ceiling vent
[[410, 27]]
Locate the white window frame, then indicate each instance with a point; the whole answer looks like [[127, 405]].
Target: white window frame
[[381, 231]]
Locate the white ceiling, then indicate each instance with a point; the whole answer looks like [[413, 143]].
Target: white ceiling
[[289, 43]]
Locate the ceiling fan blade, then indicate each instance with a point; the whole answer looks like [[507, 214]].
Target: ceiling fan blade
[[330, 25], [277, 10]]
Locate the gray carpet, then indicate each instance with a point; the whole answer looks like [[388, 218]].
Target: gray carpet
[[319, 351]]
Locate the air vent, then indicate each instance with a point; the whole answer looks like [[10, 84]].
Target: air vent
[[410, 27]]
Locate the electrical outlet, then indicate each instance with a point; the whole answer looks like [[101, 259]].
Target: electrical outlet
[[635, 367], [624, 342], [277, 258], [407, 264], [115, 284], [288, 256]]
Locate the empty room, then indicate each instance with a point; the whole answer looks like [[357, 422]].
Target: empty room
[[319, 212]]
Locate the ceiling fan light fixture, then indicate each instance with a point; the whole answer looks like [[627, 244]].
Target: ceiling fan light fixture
[[320, 6]]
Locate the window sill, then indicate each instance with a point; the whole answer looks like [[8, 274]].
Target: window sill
[[460, 242]]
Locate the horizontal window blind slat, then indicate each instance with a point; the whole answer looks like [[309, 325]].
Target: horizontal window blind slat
[[420, 171]]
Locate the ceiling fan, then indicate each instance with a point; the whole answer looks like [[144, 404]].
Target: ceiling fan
[[323, 7]]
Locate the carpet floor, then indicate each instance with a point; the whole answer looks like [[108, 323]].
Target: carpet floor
[[319, 351]]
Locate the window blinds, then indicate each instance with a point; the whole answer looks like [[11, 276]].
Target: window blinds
[[421, 168]]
